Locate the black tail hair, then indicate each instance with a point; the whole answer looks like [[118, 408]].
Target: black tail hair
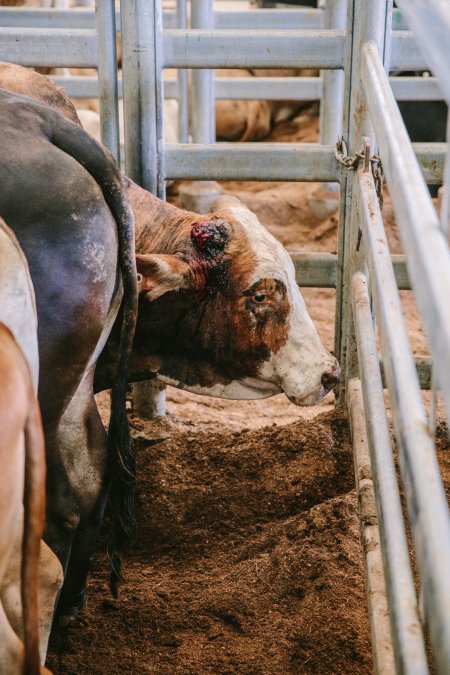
[[99, 162]]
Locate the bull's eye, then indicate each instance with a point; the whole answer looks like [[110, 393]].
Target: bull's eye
[[259, 297]]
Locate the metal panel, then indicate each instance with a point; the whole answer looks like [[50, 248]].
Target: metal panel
[[430, 518], [252, 161], [404, 614], [430, 19], [253, 49], [424, 243], [52, 48]]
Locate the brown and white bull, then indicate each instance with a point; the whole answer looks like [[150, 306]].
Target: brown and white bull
[[219, 313], [28, 568]]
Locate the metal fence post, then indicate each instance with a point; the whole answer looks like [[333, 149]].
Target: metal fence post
[[331, 105], [365, 21], [183, 83], [202, 84], [198, 195], [142, 64], [105, 17]]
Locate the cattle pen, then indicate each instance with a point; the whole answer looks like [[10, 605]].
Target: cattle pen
[[358, 47]]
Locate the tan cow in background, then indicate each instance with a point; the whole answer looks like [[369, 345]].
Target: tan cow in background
[[28, 566]]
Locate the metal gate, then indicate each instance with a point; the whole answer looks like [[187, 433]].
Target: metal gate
[[366, 277]]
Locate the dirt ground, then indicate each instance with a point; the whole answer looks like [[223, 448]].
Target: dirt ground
[[247, 556]]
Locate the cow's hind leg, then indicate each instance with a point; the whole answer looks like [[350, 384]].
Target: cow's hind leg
[[84, 442], [50, 582]]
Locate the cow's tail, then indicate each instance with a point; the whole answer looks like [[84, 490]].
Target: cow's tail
[[99, 162], [34, 515]]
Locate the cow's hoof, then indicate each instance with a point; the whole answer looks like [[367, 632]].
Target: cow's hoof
[[66, 620]]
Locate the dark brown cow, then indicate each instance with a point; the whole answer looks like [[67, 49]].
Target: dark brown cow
[[62, 196]]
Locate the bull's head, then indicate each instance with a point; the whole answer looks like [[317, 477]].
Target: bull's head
[[223, 314]]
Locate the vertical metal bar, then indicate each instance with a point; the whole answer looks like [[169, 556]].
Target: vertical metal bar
[[444, 225], [382, 644], [331, 105], [406, 629], [365, 22], [203, 99], [105, 18], [183, 84], [142, 59]]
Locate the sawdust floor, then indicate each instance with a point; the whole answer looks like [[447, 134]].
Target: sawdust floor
[[247, 556]]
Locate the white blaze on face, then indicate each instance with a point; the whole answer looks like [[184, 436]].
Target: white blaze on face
[[298, 366]]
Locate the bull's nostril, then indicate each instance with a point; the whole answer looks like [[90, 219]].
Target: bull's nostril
[[330, 379]]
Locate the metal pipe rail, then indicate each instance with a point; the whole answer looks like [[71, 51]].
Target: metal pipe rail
[[406, 627], [262, 88], [424, 243], [266, 19], [277, 161], [430, 518], [319, 270], [322, 49]]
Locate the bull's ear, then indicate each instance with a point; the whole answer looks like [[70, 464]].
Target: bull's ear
[[159, 274]]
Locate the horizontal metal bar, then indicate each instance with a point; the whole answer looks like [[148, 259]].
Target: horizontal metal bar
[[252, 161], [270, 19], [269, 88], [405, 54], [49, 47], [406, 627], [431, 158], [315, 270], [87, 87], [423, 366], [430, 518], [290, 19], [34, 17], [253, 49], [319, 270], [274, 162], [416, 88], [424, 243], [430, 20]]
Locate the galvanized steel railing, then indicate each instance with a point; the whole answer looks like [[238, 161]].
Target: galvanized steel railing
[[368, 294], [365, 275]]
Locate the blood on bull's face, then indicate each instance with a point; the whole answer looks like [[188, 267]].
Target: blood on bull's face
[[221, 313]]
